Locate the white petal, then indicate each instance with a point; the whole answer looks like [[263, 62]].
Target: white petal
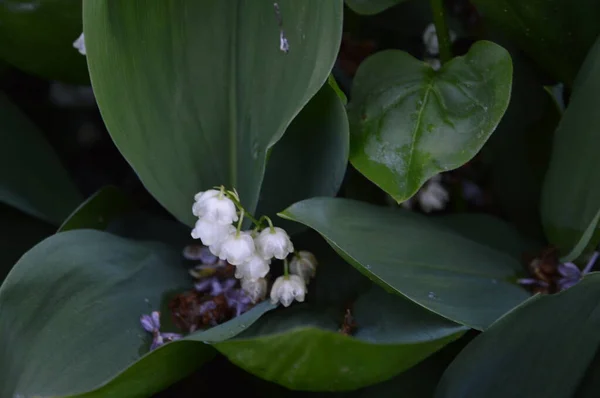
[[237, 249], [79, 44], [256, 289], [255, 268], [286, 289], [211, 232], [274, 243]]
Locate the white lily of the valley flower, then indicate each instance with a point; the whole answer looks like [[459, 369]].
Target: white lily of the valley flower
[[212, 205], [210, 232], [274, 242], [287, 288], [430, 39], [236, 248], [254, 268], [255, 289], [433, 196], [304, 264], [79, 44], [434, 63]]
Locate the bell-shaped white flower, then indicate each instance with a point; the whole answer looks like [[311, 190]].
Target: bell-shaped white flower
[[430, 39], [79, 44], [254, 268], [255, 289], [236, 248], [210, 232], [433, 196], [287, 288], [214, 206], [274, 242], [304, 264]]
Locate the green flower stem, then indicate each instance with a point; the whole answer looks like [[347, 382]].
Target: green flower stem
[[286, 269], [241, 220], [243, 212], [441, 28]]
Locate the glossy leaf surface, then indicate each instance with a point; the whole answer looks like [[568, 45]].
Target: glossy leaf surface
[[32, 177], [437, 268], [301, 347], [189, 122], [409, 122], [310, 160], [547, 356], [571, 194]]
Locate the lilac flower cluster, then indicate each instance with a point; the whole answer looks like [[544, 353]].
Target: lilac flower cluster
[[569, 275], [237, 299], [151, 324]]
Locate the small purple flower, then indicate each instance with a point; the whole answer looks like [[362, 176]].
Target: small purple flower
[[214, 286], [571, 274], [199, 253], [151, 324], [472, 193], [237, 299]]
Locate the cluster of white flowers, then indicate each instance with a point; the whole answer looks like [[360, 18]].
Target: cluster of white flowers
[[432, 196], [251, 252]]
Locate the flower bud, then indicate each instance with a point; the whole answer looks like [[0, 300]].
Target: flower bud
[[304, 264]]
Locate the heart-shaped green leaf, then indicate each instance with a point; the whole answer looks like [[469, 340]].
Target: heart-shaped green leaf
[[301, 347], [451, 275], [371, 7], [550, 338], [547, 28], [74, 301], [310, 160], [32, 177], [37, 36], [98, 210], [409, 122], [571, 193], [187, 121]]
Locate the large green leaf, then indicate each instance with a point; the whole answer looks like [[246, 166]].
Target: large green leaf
[[556, 33], [451, 275], [493, 232], [571, 193], [208, 90], [70, 315], [409, 122], [420, 381], [20, 233], [540, 349], [37, 36], [300, 347], [370, 7], [311, 158], [99, 210], [32, 178]]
